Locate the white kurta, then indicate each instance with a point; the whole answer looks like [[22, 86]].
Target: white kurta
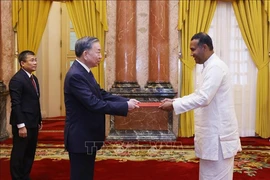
[[215, 119]]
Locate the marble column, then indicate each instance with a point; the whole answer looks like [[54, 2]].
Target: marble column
[[6, 63], [0, 42], [3, 120], [158, 85], [126, 41], [158, 42], [3, 94], [148, 122], [126, 82]]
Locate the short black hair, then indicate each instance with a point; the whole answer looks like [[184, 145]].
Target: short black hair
[[23, 55], [83, 44], [203, 39]]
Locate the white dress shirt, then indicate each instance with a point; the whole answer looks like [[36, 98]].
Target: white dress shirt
[[83, 65]]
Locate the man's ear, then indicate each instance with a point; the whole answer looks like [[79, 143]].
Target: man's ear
[[84, 54], [205, 47], [22, 63]]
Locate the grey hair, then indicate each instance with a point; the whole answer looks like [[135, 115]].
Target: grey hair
[[83, 44]]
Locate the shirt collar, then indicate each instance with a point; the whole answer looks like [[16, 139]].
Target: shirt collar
[[83, 65], [29, 75], [209, 60]]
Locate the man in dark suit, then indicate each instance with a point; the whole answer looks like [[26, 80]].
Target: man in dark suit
[[25, 116], [86, 106]]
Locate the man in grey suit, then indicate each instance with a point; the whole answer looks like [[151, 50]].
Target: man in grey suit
[[25, 116], [86, 105]]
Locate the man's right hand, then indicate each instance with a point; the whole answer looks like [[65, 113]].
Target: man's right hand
[[23, 132], [167, 100], [132, 104]]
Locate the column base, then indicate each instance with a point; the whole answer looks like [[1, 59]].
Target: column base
[[4, 136], [152, 92], [126, 89], [3, 120], [159, 91], [136, 135]]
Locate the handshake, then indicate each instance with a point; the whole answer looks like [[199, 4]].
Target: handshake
[[165, 104]]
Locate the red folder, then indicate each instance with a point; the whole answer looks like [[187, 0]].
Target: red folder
[[149, 104]]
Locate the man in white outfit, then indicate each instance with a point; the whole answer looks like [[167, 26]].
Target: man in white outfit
[[216, 130]]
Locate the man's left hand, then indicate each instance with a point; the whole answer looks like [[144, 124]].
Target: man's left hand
[[40, 126]]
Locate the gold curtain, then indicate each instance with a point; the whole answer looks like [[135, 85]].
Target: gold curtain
[[194, 16], [267, 9], [252, 19], [29, 21], [89, 18]]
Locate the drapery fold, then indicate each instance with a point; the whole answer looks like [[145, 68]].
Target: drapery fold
[[89, 18], [253, 19], [29, 21], [267, 8], [194, 16]]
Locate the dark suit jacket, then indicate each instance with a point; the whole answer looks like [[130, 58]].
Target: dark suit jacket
[[86, 106], [25, 106]]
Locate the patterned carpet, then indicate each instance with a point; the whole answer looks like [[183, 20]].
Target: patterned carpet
[[174, 159], [249, 161]]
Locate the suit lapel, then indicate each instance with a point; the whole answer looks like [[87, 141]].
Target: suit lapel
[[93, 83], [90, 79], [29, 82]]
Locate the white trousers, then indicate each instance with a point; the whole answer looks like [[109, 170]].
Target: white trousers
[[217, 170]]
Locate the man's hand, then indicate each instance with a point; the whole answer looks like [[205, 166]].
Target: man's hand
[[167, 100], [132, 104], [40, 126], [167, 105], [23, 132]]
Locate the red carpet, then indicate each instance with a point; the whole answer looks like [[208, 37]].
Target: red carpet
[[114, 170], [136, 161]]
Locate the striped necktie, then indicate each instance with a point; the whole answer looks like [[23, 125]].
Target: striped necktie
[[34, 83]]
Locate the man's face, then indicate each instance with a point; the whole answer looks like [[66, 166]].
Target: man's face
[[93, 56], [197, 51], [30, 63]]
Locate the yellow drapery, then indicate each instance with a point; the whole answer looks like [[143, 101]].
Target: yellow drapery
[[89, 18], [29, 21], [194, 16], [267, 9], [252, 19]]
